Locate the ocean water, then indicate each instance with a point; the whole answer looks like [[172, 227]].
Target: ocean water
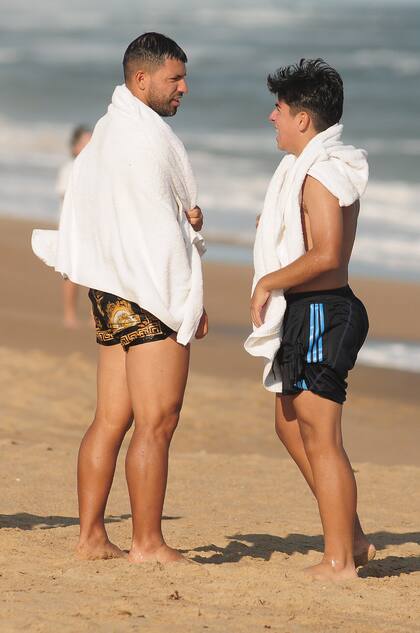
[[391, 354], [60, 61]]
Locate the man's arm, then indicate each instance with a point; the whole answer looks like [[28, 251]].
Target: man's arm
[[326, 222]]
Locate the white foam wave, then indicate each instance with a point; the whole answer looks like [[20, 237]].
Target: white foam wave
[[71, 52], [233, 177], [251, 16], [234, 141], [8, 55], [263, 140], [43, 138], [50, 17], [388, 253], [392, 204], [403, 147], [395, 355], [403, 62], [229, 186]]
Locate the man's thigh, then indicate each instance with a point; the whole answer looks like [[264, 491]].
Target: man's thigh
[[157, 374], [285, 410], [113, 398], [318, 417]]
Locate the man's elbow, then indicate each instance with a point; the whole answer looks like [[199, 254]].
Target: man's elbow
[[332, 262], [329, 262]]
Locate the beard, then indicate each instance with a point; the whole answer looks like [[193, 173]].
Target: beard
[[163, 105]]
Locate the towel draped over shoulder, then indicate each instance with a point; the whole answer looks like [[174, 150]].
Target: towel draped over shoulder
[[279, 241], [123, 228]]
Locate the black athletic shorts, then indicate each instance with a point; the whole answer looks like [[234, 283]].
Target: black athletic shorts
[[118, 321], [323, 332]]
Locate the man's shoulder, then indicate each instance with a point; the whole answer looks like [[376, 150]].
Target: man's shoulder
[[315, 192]]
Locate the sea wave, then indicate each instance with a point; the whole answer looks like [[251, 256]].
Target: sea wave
[[397, 146], [19, 16], [232, 184], [391, 354], [251, 16], [18, 140], [263, 141], [24, 137], [403, 62]]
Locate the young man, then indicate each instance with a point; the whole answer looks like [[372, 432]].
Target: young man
[[128, 232], [80, 137], [303, 245]]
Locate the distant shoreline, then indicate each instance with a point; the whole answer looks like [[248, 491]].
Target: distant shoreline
[[236, 250]]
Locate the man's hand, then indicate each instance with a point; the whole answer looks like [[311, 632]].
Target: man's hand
[[203, 326], [259, 303], [195, 218]]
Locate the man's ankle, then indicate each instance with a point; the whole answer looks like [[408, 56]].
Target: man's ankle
[[339, 562], [147, 544], [93, 534]]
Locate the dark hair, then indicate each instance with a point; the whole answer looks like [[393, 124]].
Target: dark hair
[[78, 133], [311, 85], [152, 48]]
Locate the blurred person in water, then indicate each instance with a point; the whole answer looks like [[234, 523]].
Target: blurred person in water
[[80, 137]]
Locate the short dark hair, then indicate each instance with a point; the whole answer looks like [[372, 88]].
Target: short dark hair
[[77, 134], [152, 48], [311, 85]]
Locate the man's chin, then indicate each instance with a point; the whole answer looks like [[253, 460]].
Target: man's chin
[[169, 113]]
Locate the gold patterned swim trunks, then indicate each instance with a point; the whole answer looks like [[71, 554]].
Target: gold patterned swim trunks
[[118, 321]]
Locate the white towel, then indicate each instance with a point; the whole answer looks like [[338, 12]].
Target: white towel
[[123, 228], [343, 170]]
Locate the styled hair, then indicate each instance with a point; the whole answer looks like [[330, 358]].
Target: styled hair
[[153, 49], [77, 134], [313, 86]]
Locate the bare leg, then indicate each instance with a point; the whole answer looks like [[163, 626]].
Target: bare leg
[[287, 429], [70, 292], [335, 487], [99, 451], [157, 374]]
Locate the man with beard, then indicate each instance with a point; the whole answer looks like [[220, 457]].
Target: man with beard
[[129, 233]]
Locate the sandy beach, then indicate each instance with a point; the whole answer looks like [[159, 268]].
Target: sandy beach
[[236, 505]]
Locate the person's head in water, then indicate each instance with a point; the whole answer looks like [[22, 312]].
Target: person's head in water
[[79, 138], [309, 100], [154, 71]]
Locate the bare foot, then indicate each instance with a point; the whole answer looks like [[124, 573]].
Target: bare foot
[[162, 554], [327, 571], [364, 553], [99, 550]]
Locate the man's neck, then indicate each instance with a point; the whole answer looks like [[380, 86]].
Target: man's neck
[[139, 94], [304, 140]]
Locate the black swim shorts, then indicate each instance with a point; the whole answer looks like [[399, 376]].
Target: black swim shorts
[[119, 321], [323, 332]]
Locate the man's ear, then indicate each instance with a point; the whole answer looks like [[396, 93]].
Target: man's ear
[[303, 121], [141, 79]]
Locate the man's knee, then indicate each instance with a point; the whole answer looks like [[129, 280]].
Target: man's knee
[[159, 425], [110, 424], [317, 442]]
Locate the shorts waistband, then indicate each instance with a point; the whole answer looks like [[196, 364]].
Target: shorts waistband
[[344, 291]]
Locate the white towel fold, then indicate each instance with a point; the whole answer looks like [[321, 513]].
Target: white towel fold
[[123, 228], [343, 170]]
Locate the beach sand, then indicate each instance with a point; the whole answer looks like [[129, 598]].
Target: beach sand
[[236, 505]]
